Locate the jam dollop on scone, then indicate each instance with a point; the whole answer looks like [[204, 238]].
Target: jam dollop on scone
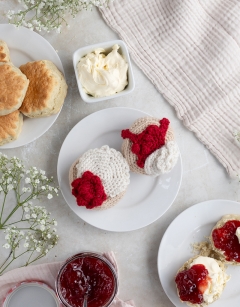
[[99, 178], [225, 239], [200, 281], [149, 146]]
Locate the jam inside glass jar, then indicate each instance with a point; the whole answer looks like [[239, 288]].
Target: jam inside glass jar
[[87, 274]]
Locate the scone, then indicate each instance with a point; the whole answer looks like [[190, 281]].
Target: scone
[[47, 89], [225, 239], [4, 52], [10, 127], [200, 281], [13, 88], [99, 178], [149, 146]]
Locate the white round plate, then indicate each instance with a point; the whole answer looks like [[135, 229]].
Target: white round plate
[[25, 46], [146, 198], [191, 226], [29, 294]]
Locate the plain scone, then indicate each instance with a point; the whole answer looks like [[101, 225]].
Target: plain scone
[[13, 88], [219, 224], [186, 266], [47, 89], [4, 52], [10, 127]]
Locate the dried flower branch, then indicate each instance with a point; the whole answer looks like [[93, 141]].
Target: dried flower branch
[[50, 14], [28, 229]]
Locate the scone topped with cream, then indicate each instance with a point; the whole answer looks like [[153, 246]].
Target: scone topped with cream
[[149, 146], [225, 239], [99, 178], [47, 89], [103, 75], [200, 281]]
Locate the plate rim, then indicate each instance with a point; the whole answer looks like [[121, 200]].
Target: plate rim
[[11, 145], [179, 216], [90, 223]]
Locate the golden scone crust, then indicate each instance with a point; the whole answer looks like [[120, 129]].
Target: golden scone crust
[[220, 223], [13, 87], [4, 52], [108, 203], [10, 127], [47, 89], [139, 126], [186, 266]]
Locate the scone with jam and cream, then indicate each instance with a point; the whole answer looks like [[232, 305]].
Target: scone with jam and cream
[[225, 239], [99, 178], [149, 146], [200, 281]]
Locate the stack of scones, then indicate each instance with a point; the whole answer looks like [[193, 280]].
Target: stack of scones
[[35, 89]]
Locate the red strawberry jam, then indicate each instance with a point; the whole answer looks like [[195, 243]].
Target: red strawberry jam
[[224, 238], [87, 275], [192, 283]]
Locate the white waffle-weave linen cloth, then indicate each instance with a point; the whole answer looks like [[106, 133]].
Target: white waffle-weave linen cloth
[[190, 50]]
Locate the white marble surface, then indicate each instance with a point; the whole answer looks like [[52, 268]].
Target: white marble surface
[[203, 177]]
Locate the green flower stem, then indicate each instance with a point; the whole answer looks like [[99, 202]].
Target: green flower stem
[[10, 214], [14, 258], [4, 200]]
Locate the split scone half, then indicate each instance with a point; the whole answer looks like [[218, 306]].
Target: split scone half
[[47, 89], [225, 239], [4, 52], [10, 127], [99, 178], [13, 88], [200, 281], [149, 146]]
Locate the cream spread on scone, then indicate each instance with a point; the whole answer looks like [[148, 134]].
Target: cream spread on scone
[[103, 75], [217, 277], [238, 234]]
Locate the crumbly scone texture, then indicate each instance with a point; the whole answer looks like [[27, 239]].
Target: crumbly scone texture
[[47, 89], [220, 224], [108, 203], [10, 127], [186, 266], [4, 52], [13, 88], [139, 126]]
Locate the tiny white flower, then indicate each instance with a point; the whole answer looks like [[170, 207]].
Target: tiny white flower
[[34, 215], [26, 244], [42, 222], [42, 227], [38, 249], [49, 196], [55, 223], [27, 216], [37, 181], [27, 180], [49, 236], [10, 187], [24, 189], [43, 188], [6, 245]]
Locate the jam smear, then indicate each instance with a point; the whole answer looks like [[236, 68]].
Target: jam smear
[[192, 283], [87, 274], [224, 238]]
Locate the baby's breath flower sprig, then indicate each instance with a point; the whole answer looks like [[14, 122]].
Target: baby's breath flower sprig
[[31, 230], [50, 15]]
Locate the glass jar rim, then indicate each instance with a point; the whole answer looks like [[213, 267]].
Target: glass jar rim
[[83, 255]]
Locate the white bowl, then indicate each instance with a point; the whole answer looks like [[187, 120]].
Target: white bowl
[[81, 52]]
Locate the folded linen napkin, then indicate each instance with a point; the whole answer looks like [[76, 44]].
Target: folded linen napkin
[[190, 50], [47, 273]]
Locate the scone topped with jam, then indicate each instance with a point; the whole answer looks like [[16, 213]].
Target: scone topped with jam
[[225, 239], [200, 281], [99, 178], [47, 89], [149, 146]]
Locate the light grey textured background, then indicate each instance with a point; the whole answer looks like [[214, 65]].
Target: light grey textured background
[[203, 177]]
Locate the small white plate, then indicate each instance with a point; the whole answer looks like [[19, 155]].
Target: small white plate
[[32, 293], [81, 52], [191, 226], [25, 46], [146, 198]]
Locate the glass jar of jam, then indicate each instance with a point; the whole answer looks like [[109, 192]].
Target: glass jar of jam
[[87, 274]]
